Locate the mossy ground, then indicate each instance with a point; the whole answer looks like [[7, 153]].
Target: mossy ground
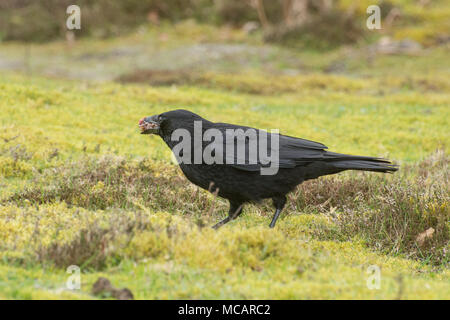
[[79, 185]]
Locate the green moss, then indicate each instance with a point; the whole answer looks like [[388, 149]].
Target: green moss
[[171, 258], [13, 168]]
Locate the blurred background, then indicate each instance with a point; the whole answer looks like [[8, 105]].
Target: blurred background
[[134, 40]]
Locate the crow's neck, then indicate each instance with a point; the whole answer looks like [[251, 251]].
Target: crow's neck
[[167, 139]]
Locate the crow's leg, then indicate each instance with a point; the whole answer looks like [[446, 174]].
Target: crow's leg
[[279, 203], [233, 213], [221, 223]]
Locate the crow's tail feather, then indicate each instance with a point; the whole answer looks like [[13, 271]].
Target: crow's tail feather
[[349, 162], [365, 165]]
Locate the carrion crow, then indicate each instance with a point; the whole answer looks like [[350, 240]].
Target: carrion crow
[[244, 164]]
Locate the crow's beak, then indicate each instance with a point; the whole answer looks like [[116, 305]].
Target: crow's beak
[[149, 125]]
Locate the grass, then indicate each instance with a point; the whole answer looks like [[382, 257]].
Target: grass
[[79, 185], [170, 258]]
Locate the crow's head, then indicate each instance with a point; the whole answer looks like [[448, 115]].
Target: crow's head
[[166, 122]]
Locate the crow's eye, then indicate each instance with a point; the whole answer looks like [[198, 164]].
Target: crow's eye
[[161, 119]]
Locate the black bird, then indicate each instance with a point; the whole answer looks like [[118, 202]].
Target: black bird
[[240, 176]]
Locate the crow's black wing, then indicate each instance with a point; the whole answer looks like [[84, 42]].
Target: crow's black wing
[[291, 151]]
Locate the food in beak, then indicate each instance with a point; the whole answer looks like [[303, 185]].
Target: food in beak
[[144, 125]]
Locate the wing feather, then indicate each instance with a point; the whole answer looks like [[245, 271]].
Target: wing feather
[[292, 151]]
